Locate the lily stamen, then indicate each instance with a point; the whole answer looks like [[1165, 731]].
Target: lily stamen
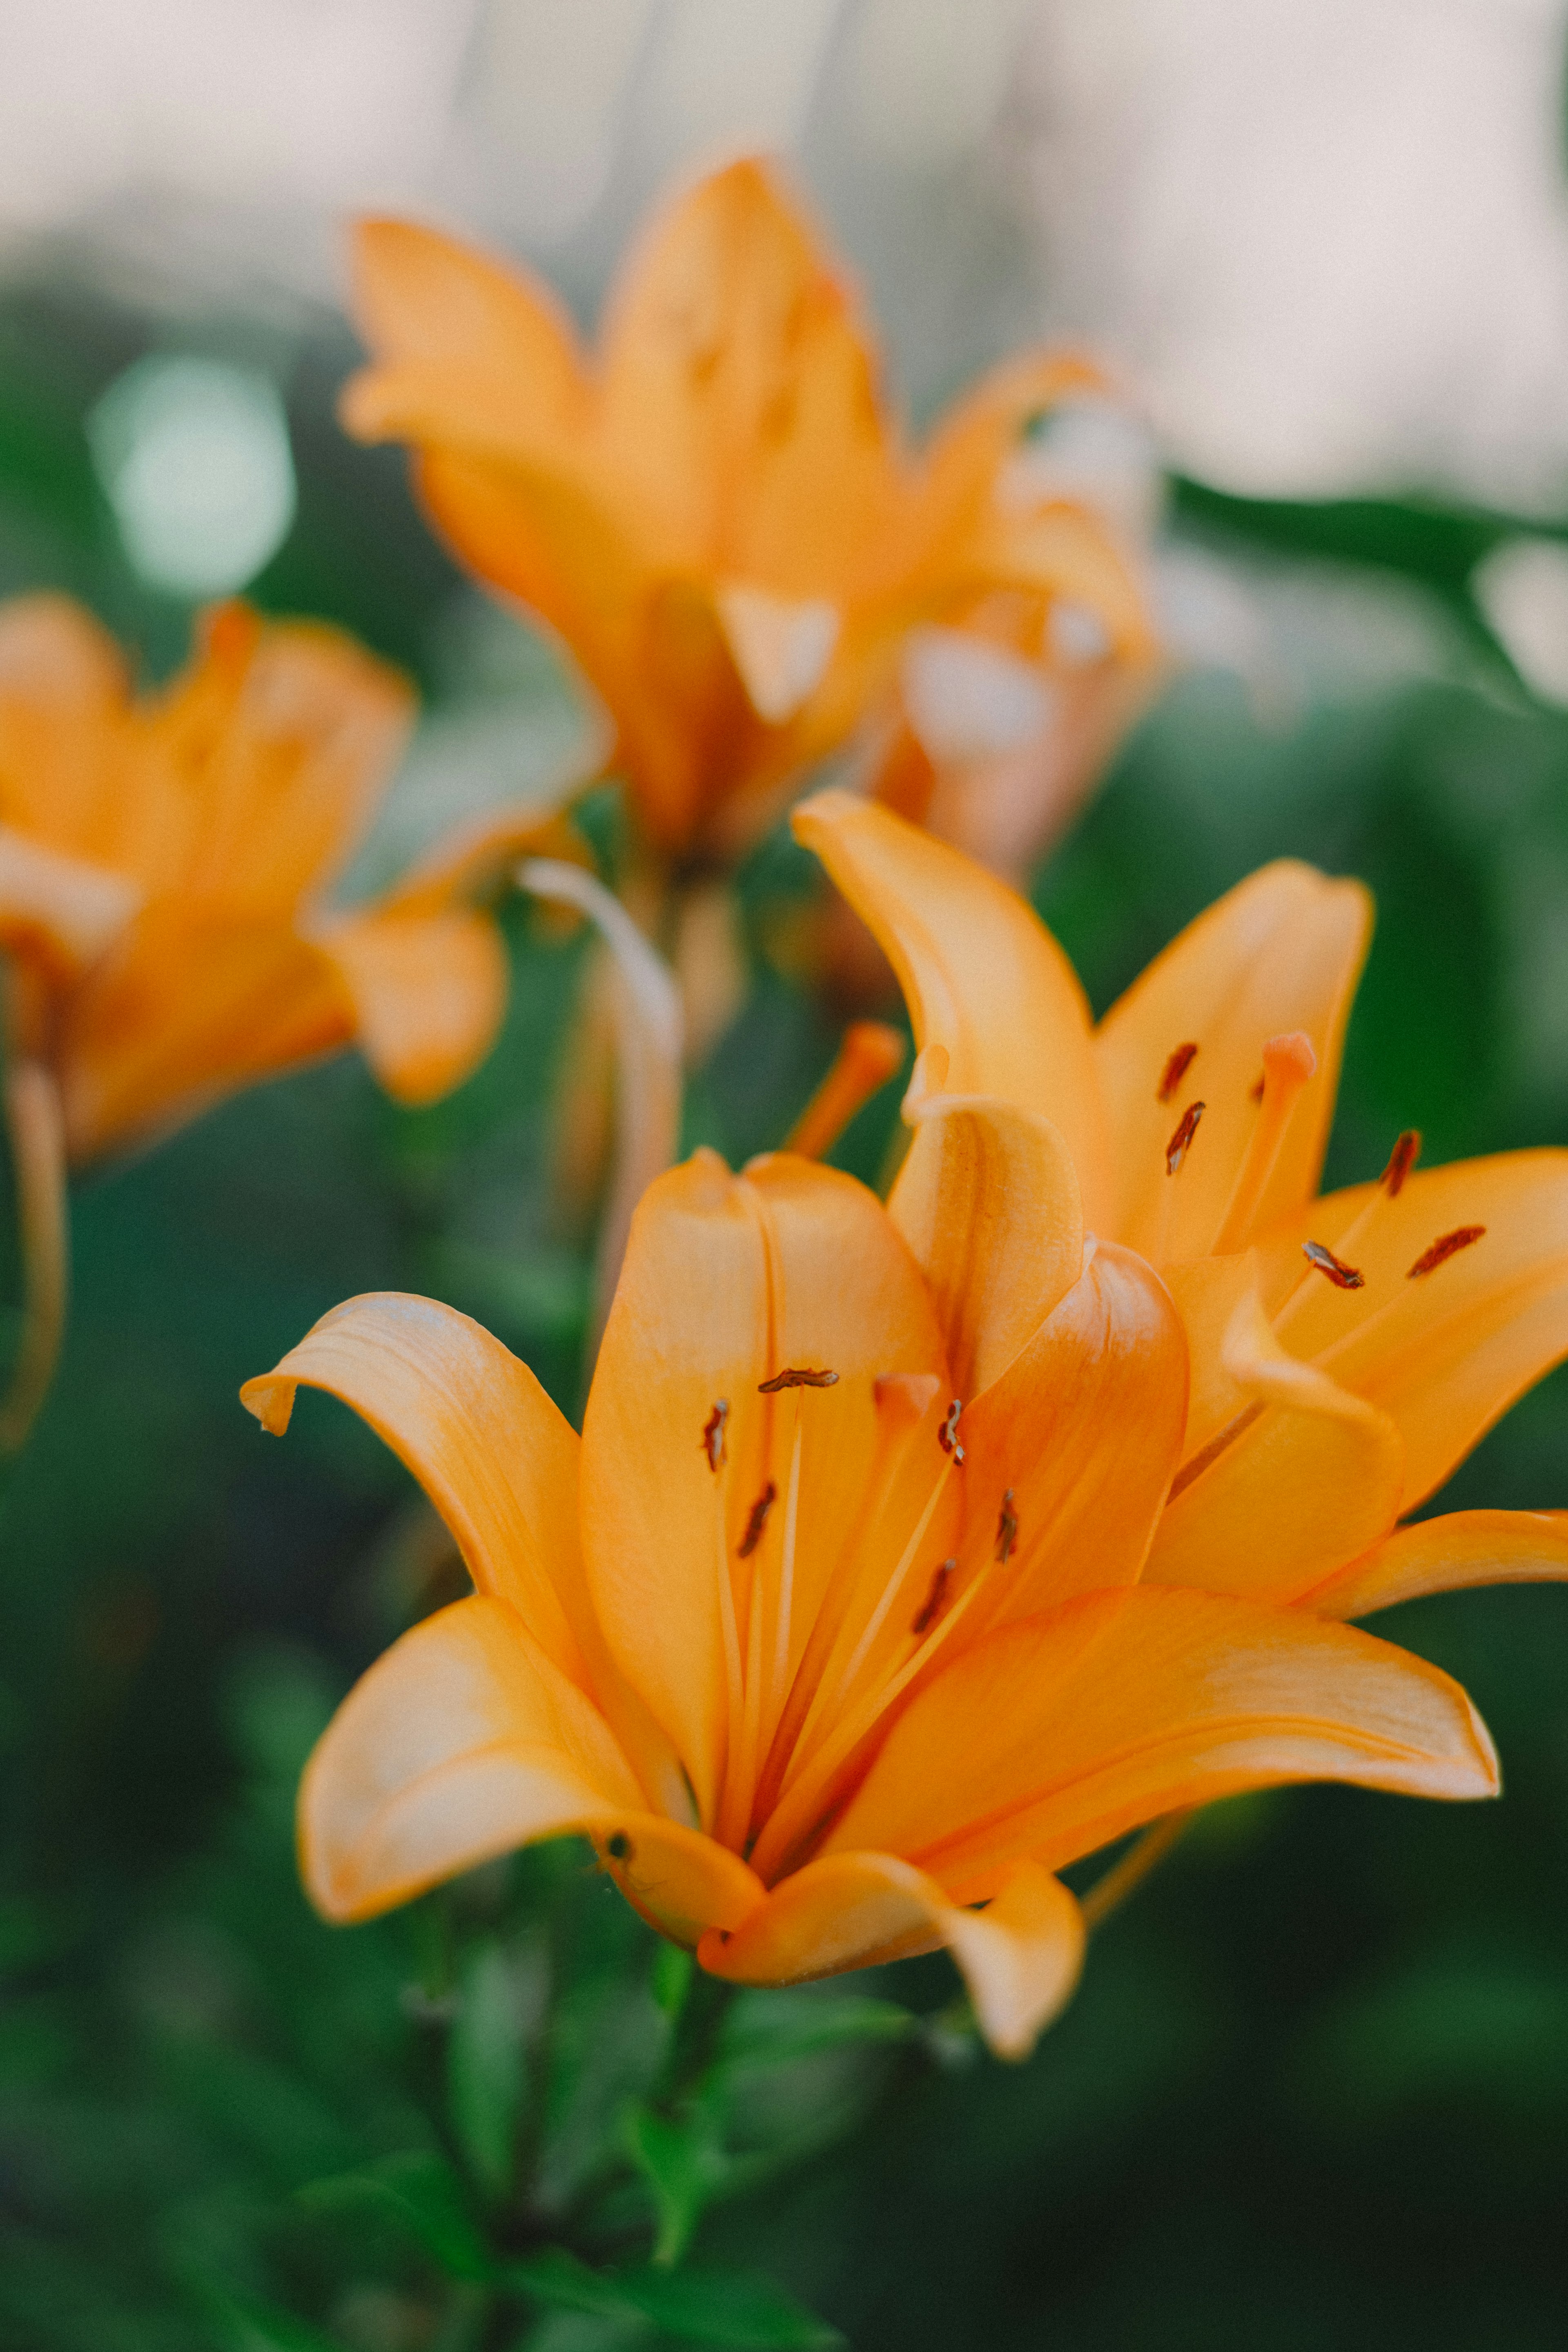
[[1180, 1142], [927, 1614], [1342, 1277], [1401, 1160], [947, 1435], [1288, 1061], [1175, 1070], [713, 1433], [796, 1377], [757, 1521], [1445, 1247], [1006, 1529]]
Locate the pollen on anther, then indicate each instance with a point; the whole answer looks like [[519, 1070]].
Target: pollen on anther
[[1006, 1529], [1175, 1070], [947, 1435], [1445, 1247], [1342, 1277], [930, 1605], [1180, 1142], [758, 1520], [713, 1433], [796, 1377], [1401, 1160]]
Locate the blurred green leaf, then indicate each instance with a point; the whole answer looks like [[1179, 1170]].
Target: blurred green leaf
[[722, 2308], [239, 2325], [423, 2195], [486, 2060], [782, 2028], [683, 2161]]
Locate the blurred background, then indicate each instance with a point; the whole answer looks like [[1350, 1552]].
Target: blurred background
[[1315, 2088]]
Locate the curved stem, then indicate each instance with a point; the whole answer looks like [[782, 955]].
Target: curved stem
[[36, 1127], [1108, 1893]]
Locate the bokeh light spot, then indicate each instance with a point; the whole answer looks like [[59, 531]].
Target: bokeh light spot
[[194, 457]]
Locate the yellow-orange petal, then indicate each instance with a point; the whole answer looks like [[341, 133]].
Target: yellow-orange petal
[[726, 1282], [1304, 1475], [982, 977], [1448, 1554], [64, 701], [428, 993], [987, 1200], [1055, 1736], [463, 1741], [183, 1009], [1020, 1957], [1279, 953], [739, 406], [1071, 1451], [471, 350], [59, 909], [497, 1458], [1443, 1353]]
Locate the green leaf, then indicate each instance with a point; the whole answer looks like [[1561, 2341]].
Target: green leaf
[[242, 2324], [487, 2062], [780, 2029], [733, 2308], [684, 2164], [421, 2192]]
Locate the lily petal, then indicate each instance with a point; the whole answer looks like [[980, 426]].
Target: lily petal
[[963, 944], [1020, 1957], [64, 689], [1279, 953], [987, 1200], [1449, 1554], [69, 910], [1443, 1352], [495, 1456], [462, 1742], [428, 993], [1053, 1737], [1303, 1476], [468, 348]]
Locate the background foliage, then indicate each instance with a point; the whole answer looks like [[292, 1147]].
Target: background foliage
[[1315, 2088]]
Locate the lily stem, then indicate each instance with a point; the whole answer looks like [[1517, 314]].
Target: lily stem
[[1146, 1854], [36, 1127]]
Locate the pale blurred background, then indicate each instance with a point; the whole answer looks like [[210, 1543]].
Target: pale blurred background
[[1328, 238]]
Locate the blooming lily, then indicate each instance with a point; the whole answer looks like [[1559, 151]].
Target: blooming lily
[[715, 512], [161, 865], [829, 1631], [1346, 1351]]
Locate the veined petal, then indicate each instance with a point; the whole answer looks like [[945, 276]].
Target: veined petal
[[1448, 1554], [1055, 1736], [463, 1741], [1070, 1454], [1303, 1476], [495, 1456], [1279, 953], [1020, 1957], [727, 1282], [987, 1200], [982, 977], [1445, 1351]]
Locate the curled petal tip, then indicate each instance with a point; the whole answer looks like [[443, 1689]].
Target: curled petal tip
[[271, 1400]]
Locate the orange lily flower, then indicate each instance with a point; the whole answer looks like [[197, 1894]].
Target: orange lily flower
[[1346, 1351], [162, 861], [714, 512], [829, 1667]]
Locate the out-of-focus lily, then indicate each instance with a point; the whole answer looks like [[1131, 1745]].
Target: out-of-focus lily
[[162, 865], [714, 512], [829, 1633], [1347, 1351]]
